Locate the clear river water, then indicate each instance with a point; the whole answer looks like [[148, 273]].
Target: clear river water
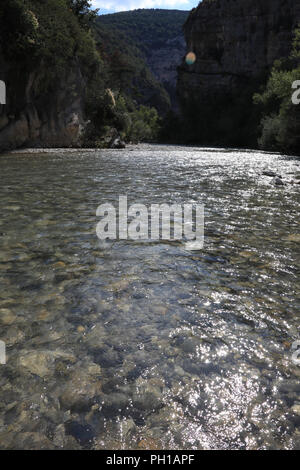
[[143, 344]]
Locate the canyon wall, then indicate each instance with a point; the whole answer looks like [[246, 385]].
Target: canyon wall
[[35, 117], [163, 64], [236, 43]]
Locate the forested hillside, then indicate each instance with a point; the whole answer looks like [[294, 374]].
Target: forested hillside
[[75, 81], [152, 46]]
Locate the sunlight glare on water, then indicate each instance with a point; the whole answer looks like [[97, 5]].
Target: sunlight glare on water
[[144, 344]]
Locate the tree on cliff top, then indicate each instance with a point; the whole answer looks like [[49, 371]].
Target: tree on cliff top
[[82, 9], [280, 123]]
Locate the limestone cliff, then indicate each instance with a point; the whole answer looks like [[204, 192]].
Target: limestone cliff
[[35, 118], [235, 43], [48, 60], [163, 64]]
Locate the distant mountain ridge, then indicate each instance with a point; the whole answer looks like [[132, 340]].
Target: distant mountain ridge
[[152, 36]]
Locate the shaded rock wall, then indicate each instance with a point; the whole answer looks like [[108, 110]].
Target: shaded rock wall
[[37, 117], [236, 43], [163, 62]]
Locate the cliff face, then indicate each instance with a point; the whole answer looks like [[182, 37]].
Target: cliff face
[[163, 64], [48, 60], [236, 43], [34, 118]]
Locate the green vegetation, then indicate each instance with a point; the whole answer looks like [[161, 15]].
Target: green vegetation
[[261, 109], [144, 124], [82, 9], [126, 40], [145, 29], [119, 115], [280, 123], [48, 39], [45, 39], [45, 32]]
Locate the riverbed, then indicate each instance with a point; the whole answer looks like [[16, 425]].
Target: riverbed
[[144, 344]]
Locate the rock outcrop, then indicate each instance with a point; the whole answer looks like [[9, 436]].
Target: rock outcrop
[[33, 117], [236, 43], [163, 63]]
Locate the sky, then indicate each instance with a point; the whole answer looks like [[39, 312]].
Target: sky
[[111, 6]]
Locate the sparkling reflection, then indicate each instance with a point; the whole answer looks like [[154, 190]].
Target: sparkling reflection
[[143, 344]]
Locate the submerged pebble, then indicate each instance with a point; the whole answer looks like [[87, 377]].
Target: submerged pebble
[[147, 345]]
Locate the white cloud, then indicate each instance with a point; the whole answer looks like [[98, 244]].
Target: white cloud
[[124, 5]]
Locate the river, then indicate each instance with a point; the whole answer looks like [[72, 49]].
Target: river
[[144, 344]]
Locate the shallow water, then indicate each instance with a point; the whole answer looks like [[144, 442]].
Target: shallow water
[[144, 344]]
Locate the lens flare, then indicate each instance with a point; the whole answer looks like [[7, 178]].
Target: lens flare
[[190, 58]]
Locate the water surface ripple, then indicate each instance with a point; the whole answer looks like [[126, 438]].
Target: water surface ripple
[[141, 345]]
